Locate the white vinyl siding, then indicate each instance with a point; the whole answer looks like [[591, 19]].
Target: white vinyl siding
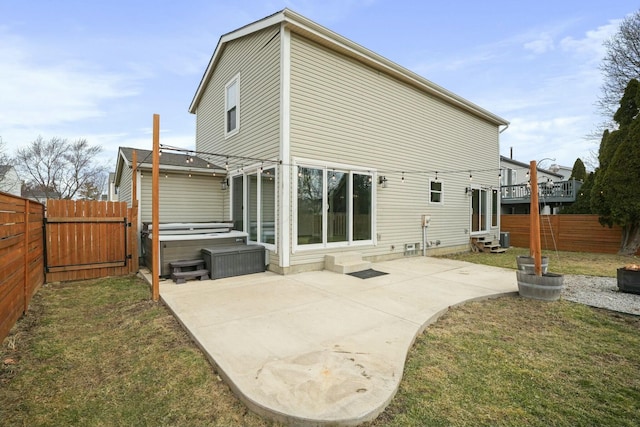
[[255, 60], [125, 187], [343, 110], [184, 199]]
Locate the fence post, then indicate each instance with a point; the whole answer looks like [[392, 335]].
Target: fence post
[[25, 284]]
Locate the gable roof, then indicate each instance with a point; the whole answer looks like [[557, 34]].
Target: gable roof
[[168, 161], [297, 23]]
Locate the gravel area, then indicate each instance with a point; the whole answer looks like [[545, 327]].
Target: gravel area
[[600, 292]]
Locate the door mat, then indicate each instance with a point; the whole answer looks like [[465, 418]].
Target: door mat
[[367, 274]]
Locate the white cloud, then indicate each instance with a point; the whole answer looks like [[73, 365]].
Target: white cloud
[[540, 45], [592, 42], [38, 94]]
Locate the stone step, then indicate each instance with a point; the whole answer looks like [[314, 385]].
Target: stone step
[[345, 263]]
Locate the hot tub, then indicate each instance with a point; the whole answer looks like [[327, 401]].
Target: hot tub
[[183, 241]]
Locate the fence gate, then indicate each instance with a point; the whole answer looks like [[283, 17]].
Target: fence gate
[[89, 239]]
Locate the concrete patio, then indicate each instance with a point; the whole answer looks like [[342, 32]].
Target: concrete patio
[[321, 348]]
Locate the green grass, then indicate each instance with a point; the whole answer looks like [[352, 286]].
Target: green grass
[[512, 361], [563, 262], [99, 353]]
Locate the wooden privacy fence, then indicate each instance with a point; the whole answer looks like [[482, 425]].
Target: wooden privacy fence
[[89, 239], [21, 257], [577, 233]]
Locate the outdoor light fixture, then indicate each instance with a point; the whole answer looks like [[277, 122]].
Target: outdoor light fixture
[[382, 181], [224, 184]]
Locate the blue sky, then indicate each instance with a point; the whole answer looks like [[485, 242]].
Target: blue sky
[[101, 69]]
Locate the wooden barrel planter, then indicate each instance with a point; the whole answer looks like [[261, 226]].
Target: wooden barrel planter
[[629, 280], [546, 287], [526, 263]]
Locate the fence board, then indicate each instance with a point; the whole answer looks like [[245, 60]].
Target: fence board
[[576, 233], [21, 249], [87, 239]]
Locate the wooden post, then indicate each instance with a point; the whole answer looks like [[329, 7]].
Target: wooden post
[[25, 286], [134, 213], [534, 216], [155, 209]]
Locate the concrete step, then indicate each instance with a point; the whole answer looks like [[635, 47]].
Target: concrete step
[[345, 263]]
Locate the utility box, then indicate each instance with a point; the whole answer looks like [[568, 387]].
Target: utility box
[[230, 261], [505, 239]]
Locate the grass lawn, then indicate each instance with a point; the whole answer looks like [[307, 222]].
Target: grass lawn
[[562, 262], [99, 353]]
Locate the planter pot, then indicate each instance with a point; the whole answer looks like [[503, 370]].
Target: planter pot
[[629, 281], [527, 263], [546, 287]]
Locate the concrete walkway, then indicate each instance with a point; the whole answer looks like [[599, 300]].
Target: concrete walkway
[[322, 348]]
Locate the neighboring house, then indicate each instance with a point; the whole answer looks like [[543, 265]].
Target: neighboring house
[[40, 196], [334, 148], [190, 187], [112, 193], [9, 180], [565, 171], [554, 189]]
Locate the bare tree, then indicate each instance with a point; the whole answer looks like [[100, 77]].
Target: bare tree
[[620, 64], [58, 168], [4, 159]]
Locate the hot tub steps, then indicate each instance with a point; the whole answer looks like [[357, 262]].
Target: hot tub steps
[[194, 270]]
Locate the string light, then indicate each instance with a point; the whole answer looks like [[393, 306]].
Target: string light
[[210, 157]]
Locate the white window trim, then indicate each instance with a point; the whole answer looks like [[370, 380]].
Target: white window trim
[[441, 192], [338, 167], [235, 80], [487, 201], [255, 170]]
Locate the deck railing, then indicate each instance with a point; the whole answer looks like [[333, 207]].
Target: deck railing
[[548, 192]]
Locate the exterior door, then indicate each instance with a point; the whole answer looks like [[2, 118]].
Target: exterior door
[[479, 211]]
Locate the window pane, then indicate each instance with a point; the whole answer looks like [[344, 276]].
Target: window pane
[[238, 197], [231, 119], [231, 96], [494, 208], [361, 207], [309, 206], [268, 201], [475, 210], [338, 204], [252, 198]]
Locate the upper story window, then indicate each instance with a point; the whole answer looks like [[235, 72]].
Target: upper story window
[[232, 106], [435, 191]]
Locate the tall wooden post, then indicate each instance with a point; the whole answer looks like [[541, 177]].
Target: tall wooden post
[[134, 211], [155, 210], [535, 249]]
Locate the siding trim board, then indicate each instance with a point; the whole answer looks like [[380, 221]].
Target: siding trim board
[[283, 213]]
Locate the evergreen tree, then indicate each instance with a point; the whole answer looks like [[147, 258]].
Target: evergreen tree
[[615, 196], [582, 205], [578, 172]]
